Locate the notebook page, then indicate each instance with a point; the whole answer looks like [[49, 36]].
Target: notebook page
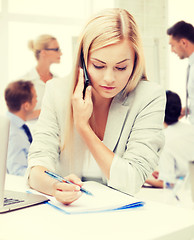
[[103, 199]]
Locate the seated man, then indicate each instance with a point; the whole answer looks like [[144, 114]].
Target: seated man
[[179, 144], [20, 97]]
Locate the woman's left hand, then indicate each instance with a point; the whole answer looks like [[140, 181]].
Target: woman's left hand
[[82, 108]]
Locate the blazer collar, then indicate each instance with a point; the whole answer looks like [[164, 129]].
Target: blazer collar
[[118, 112]]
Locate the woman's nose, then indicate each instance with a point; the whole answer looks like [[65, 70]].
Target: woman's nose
[[109, 76]]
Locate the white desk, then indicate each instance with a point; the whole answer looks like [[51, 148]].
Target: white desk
[[165, 196], [153, 221]]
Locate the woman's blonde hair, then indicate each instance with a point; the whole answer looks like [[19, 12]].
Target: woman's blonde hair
[[39, 44], [110, 26]]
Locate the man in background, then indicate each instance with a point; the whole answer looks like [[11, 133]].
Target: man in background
[[178, 148], [21, 99], [181, 40]]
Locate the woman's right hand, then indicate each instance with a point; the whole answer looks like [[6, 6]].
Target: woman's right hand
[[67, 193], [63, 192], [82, 108]]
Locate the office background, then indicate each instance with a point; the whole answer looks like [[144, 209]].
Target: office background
[[22, 20]]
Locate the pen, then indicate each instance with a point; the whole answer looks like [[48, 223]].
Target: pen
[[61, 179]]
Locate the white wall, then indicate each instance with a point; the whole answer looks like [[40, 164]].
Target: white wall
[[151, 17]]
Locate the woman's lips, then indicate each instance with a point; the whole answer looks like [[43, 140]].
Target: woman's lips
[[107, 88]]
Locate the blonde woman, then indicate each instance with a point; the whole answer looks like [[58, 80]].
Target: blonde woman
[[114, 134], [47, 52]]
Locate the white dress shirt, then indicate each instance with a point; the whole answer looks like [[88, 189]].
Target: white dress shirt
[[18, 146], [39, 85], [191, 88], [177, 152]]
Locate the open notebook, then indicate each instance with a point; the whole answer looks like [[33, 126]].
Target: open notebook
[[10, 200], [104, 199]]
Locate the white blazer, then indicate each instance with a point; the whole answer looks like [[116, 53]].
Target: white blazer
[[134, 132]]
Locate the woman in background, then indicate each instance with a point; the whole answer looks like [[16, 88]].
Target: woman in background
[[47, 52], [115, 133]]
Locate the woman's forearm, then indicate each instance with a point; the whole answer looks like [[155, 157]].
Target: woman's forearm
[[39, 181], [100, 152]]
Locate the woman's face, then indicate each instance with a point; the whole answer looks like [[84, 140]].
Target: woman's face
[[53, 52], [110, 68]]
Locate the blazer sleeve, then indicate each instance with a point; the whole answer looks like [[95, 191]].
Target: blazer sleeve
[[45, 148], [144, 142]]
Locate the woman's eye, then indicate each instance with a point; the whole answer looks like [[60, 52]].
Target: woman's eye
[[98, 67], [121, 69]]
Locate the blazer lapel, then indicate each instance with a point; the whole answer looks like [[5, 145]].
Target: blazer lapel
[[116, 118]]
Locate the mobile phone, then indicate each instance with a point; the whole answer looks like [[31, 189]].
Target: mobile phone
[[86, 77]]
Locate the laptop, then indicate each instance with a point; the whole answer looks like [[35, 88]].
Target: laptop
[[10, 200]]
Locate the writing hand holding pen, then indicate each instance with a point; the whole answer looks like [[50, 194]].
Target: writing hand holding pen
[[71, 180], [67, 193]]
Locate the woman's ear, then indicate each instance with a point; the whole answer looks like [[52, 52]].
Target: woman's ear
[[42, 53]]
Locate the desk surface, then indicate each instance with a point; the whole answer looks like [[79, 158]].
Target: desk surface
[[154, 221], [166, 196]]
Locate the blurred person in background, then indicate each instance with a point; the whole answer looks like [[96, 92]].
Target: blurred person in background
[[181, 40], [47, 52], [21, 99], [178, 148]]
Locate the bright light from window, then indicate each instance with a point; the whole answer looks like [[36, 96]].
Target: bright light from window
[[52, 8], [102, 4]]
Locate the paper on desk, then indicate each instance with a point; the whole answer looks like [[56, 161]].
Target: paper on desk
[[103, 199]]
